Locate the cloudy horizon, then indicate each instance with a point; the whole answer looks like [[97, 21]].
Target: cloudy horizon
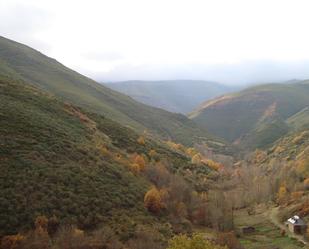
[[232, 42]]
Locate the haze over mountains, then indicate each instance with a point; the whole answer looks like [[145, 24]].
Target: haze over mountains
[[180, 96]]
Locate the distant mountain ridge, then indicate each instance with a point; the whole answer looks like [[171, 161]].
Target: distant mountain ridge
[[22, 62], [257, 116], [180, 96]]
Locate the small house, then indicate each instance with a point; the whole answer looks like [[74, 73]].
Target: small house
[[248, 230], [296, 225]]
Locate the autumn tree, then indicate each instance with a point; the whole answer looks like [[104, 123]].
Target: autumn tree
[[40, 238], [197, 158], [296, 195], [41, 222], [306, 183], [228, 239], [212, 164], [12, 241], [158, 174], [140, 161], [302, 168], [53, 225], [282, 194], [141, 140], [195, 242], [191, 152], [153, 200], [153, 154]]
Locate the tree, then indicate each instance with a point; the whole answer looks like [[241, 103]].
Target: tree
[[12, 241], [41, 222], [191, 152], [302, 168], [158, 174], [282, 194], [53, 225], [153, 200], [140, 161], [306, 183], [135, 168], [153, 154], [229, 239], [212, 164], [141, 140], [196, 159], [196, 242]]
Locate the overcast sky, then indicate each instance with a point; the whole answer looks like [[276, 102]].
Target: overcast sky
[[235, 41]]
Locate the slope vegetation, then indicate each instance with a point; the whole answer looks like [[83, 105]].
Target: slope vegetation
[[60, 160], [254, 117], [21, 62]]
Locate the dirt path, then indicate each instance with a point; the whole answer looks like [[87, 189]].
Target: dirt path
[[273, 217]]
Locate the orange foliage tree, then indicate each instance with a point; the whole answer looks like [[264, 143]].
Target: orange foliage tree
[[306, 183], [282, 194], [141, 140], [140, 161], [212, 164], [153, 200], [302, 168], [153, 154], [197, 158], [12, 241]]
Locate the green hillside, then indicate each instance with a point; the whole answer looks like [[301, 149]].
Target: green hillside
[[254, 117], [180, 96], [300, 120], [59, 160], [21, 62]]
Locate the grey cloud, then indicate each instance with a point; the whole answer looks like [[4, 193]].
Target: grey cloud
[[107, 56], [241, 73], [21, 22]]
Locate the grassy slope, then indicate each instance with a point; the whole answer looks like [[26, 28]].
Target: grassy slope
[[51, 163], [267, 235], [243, 115], [22, 62], [300, 120], [180, 96]]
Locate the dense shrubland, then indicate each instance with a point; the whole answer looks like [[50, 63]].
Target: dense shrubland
[[74, 179]]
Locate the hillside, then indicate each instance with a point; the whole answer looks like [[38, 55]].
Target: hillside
[[285, 165], [21, 62], [254, 117], [180, 96], [59, 160], [299, 120]]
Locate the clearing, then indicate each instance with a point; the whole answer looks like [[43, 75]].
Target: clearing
[[267, 233]]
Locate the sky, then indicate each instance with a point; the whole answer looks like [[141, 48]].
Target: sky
[[233, 42]]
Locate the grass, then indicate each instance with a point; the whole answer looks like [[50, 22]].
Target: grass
[[266, 235]]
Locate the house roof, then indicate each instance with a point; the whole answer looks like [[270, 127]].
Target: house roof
[[296, 220]]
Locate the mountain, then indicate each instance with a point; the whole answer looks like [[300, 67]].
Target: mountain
[[21, 62], [300, 120], [180, 96], [60, 160], [254, 117]]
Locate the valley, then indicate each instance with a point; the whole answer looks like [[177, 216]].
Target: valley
[[87, 167], [180, 96]]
